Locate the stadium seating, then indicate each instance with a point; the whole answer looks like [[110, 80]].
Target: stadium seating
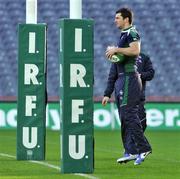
[[158, 23]]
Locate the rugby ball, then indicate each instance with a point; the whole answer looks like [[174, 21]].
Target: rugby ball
[[117, 58]]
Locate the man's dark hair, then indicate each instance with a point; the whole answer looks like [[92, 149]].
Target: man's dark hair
[[126, 12]]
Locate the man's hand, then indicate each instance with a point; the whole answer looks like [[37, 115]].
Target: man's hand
[[105, 100], [110, 51]]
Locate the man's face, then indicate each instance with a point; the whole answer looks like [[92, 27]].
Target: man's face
[[119, 21]]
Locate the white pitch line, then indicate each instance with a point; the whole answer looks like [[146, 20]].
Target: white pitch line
[[86, 176], [49, 166], [45, 164], [7, 155]]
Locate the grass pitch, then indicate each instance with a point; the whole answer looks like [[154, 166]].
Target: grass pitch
[[163, 163]]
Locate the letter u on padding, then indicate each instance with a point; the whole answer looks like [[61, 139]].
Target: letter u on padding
[[79, 154], [26, 140]]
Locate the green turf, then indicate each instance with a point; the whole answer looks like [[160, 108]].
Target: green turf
[[164, 163]]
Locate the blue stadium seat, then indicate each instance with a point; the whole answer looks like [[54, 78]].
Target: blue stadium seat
[[151, 18]]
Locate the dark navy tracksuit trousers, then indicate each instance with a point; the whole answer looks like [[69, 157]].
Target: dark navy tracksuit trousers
[[127, 94], [142, 115]]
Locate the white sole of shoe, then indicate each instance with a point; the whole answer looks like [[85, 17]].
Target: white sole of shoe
[[126, 159]]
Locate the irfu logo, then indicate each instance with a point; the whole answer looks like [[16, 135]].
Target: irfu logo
[[31, 92], [31, 72], [76, 93], [77, 75]]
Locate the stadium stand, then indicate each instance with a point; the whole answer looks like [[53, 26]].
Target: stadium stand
[[157, 21]]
